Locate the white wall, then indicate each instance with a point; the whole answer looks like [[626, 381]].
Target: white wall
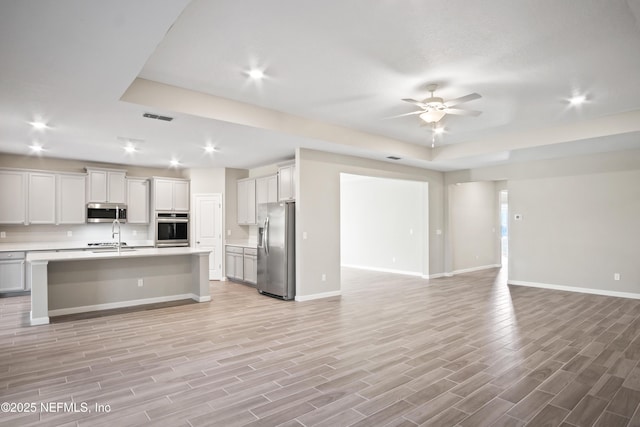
[[474, 231], [383, 224], [318, 214], [580, 220], [576, 231]]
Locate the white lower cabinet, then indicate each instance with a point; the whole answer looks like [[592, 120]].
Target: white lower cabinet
[[11, 271], [234, 263], [250, 263], [241, 264]]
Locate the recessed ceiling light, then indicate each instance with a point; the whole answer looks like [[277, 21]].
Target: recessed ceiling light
[[36, 148], [39, 125], [130, 149], [210, 149], [174, 163], [438, 131], [578, 99], [256, 74]]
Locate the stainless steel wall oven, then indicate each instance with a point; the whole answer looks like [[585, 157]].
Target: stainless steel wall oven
[[172, 229]]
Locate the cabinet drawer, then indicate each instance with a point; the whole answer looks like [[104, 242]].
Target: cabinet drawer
[[6, 256], [234, 250], [251, 251]]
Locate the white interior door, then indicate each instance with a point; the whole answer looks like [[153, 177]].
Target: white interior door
[[208, 230]]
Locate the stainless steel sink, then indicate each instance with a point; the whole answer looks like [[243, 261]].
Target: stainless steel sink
[[99, 251]]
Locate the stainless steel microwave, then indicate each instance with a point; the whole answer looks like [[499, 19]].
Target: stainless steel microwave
[[106, 212]]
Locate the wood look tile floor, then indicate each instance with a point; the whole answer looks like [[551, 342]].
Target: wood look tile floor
[[392, 350]]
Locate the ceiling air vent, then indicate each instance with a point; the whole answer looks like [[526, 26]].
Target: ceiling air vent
[[393, 158], [157, 117]]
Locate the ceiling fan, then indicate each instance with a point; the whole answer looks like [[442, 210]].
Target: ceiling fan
[[434, 108]]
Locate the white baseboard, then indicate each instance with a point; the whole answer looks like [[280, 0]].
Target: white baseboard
[[603, 292], [122, 304], [383, 270], [196, 298], [437, 276], [318, 296], [472, 269], [38, 320]]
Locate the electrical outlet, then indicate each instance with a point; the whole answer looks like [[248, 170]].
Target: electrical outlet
[[3, 235], [393, 260], [438, 232], [616, 276], [140, 283], [69, 233], [228, 232], [304, 235], [324, 277], [411, 231]]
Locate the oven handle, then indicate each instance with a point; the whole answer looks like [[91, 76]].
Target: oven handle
[[180, 220]]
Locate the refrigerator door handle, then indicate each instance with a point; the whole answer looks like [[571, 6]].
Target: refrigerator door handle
[[265, 235]]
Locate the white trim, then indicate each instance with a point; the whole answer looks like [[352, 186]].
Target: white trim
[[318, 296], [472, 269], [35, 321], [383, 270], [121, 304], [200, 299], [575, 289], [437, 276]]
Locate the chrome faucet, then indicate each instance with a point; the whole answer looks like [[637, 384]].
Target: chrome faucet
[[119, 233]]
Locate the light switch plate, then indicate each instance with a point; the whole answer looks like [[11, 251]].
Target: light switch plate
[[3, 235]]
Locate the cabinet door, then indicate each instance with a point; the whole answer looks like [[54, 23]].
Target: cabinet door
[[11, 276], [71, 206], [272, 188], [163, 194], [96, 186], [262, 190], [286, 189], [251, 201], [250, 269], [137, 201], [13, 193], [242, 202], [116, 187], [42, 198], [181, 196]]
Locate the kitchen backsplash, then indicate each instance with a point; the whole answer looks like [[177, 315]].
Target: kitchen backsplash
[[79, 233]]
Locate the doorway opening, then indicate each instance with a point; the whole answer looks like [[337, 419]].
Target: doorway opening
[[384, 224], [504, 227]]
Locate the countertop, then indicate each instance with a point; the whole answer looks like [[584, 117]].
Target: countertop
[[57, 246], [242, 244], [90, 255]]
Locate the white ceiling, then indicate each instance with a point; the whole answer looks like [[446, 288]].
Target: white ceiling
[[335, 75]]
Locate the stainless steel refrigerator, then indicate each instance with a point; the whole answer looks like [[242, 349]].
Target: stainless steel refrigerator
[[276, 250]]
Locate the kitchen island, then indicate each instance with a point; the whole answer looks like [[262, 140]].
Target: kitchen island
[[80, 281]]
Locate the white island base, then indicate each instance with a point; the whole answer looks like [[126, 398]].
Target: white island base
[[81, 281]]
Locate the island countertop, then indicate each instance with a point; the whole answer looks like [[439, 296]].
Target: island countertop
[[111, 253]]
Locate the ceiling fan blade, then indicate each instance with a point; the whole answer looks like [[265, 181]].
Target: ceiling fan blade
[[414, 102], [459, 112], [466, 98], [413, 113]]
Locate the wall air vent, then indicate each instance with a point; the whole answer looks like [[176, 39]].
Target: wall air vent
[[157, 117], [393, 158]]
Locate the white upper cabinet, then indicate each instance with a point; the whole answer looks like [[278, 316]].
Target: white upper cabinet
[[286, 182], [266, 189], [246, 201], [42, 198], [171, 194], [71, 205], [13, 193], [137, 201], [106, 186]]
